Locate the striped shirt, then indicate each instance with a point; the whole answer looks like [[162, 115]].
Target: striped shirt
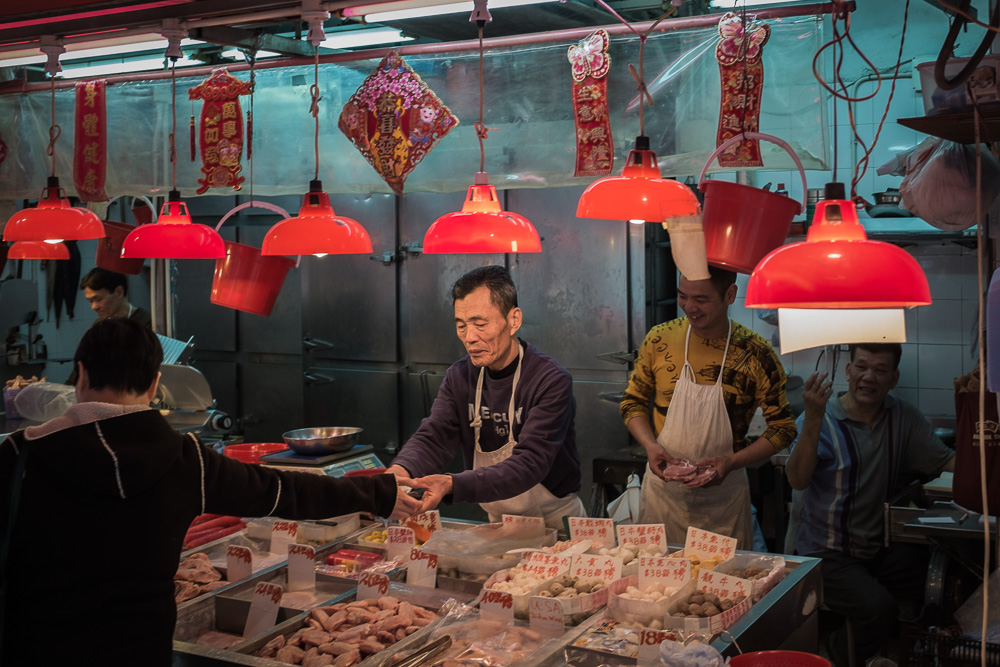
[[856, 471]]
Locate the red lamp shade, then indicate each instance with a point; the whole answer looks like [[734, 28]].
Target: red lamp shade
[[173, 236], [38, 250], [640, 194], [53, 220], [837, 267], [482, 226], [317, 230]]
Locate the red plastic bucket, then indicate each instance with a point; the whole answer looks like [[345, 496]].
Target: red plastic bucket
[[778, 659], [744, 223], [250, 452], [109, 249], [248, 281]]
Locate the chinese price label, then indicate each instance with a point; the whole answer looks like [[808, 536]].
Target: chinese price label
[[708, 545], [372, 585], [497, 602], [643, 534], [239, 562], [431, 520], [600, 531], [535, 522], [605, 568], [421, 569], [398, 542], [545, 565], [263, 608], [675, 571], [301, 567], [283, 533]]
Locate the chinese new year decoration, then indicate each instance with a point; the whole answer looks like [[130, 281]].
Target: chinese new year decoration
[[741, 71], [90, 141], [591, 63], [220, 129]]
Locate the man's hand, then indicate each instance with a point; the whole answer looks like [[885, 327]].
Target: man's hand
[[658, 459], [402, 477], [815, 394], [436, 488], [406, 505], [723, 466]]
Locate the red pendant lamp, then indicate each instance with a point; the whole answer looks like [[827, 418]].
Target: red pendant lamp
[[174, 235], [640, 194], [37, 250], [317, 229], [837, 266], [482, 226], [53, 219]]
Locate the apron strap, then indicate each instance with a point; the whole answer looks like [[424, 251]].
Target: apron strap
[[725, 351], [477, 422]]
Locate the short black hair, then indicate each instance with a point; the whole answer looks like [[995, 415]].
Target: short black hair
[[895, 349], [503, 294], [722, 279], [98, 279], [120, 354]]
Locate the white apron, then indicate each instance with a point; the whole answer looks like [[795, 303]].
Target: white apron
[[536, 501], [697, 427]]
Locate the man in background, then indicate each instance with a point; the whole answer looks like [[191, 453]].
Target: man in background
[[107, 294], [845, 462]]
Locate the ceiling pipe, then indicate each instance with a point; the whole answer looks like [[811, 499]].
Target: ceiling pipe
[[570, 34]]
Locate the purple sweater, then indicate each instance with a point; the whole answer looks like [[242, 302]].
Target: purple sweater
[[544, 409]]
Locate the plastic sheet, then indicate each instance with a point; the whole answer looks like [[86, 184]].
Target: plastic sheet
[[528, 101]]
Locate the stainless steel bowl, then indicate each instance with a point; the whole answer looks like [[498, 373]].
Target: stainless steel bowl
[[323, 440]]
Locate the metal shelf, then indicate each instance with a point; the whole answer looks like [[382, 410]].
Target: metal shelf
[[959, 127]]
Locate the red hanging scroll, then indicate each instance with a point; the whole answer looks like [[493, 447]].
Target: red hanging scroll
[[90, 139], [591, 63], [395, 119], [742, 74], [221, 129]]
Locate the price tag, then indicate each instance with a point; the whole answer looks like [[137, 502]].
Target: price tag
[[535, 523], [398, 542], [649, 645], [372, 585], [675, 571], [724, 585], [545, 614], [239, 562], [709, 546], [263, 609], [283, 533], [301, 567], [431, 520], [422, 569], [605, 568], [599, 531], [497, 602], [547, 566], [643, 534]]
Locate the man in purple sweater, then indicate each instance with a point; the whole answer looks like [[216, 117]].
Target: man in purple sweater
[[509, 408]]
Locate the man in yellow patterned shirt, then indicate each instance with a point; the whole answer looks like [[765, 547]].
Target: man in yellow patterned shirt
[[709, 413]]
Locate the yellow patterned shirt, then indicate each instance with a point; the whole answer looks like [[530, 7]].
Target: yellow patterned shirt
[[753, 377]]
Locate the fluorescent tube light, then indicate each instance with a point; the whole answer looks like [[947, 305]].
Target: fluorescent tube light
[[354, 38], [802, 328], [730, 4], [407, 9], [82, 52], [120, 67], [237, 53]]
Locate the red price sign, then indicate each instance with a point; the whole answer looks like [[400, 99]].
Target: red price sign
[[239, 562], [422, 569], [649, 645], [605, 568], [283, 533], [710, 545], [675, 571], [497, 602], [301, 567], [643, 534], [600, 531], [263, 608], [372, 585], [431, 520], [535, 522], [723, 585]]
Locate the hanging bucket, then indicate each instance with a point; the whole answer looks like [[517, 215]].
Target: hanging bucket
[[109, 249], [743, 223], [248, 281]]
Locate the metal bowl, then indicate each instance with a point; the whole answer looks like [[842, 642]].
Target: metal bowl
[[323, 440]]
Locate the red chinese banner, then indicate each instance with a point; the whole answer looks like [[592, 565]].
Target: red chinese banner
[[394, 119], [220, 129], [742, 74], [90, 141], [591, 63]]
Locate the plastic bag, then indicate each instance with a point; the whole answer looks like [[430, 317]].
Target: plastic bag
[[625, 508], [488, 539], [42, 401], [675, 654], [940, 184]]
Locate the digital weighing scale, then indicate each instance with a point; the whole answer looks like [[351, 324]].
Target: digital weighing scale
[[359, 457]]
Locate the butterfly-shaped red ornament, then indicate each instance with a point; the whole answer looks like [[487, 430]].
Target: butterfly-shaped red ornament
[[741, 71], [590, 65]]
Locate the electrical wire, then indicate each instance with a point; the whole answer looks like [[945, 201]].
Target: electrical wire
[[481, 130], [314, 108], [173, 121], [948, 47], [54, 129]]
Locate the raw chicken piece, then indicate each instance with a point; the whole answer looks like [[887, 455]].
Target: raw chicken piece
[[198, 568]]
